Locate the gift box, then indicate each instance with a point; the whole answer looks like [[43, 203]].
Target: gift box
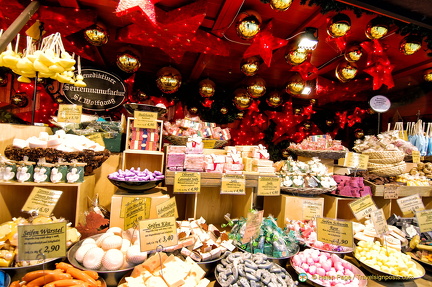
[[233, 156], [214, 163], [194, 162]]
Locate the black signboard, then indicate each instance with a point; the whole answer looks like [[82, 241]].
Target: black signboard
[[104, 91]]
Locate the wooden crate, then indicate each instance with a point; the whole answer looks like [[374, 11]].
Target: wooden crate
[[403, 190]]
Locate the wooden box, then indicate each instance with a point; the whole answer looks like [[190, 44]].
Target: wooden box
[[156, 144]]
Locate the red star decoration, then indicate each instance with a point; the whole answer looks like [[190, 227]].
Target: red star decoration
[[136, 9], [263, 44]]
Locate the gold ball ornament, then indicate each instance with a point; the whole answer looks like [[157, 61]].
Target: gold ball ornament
[[193, 110], [141, 96], [353, 53], [224, 110], [206, 88], [296, 56], [295, 84], [377, 28], [168, 80], [298, 111], [280, 5], [346, 71], [20, 100], [329, 123], [250, 66], [339, 25], [256, 87], [274, 99], [248, 24], [97, 35], [410, 44], [240, 115], [359, 133], [428, 75], [128, 61], [242, 100], [313, 101], [307, 126]]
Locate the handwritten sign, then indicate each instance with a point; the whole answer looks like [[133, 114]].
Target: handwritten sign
[[134, 210], [268, 186], [160, 232], [415, 156], [391, 191], [362, 207], [145, 120], [338, 232], [356, 160], [312, 209], [42, 241], [69, 113], [42, 201], [424, 219], [187, 182], [379, 221], [410, 204], [233, 184], [97, 138], [253, 223], [167, 208]]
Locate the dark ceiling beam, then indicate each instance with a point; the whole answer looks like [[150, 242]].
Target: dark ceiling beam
[[69, 3], [200, 64], [412, 69]]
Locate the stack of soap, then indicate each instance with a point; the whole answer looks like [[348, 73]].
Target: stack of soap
[[175, 157], [351, 186]]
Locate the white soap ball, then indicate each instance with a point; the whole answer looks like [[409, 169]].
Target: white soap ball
[[113, 260], [93, 258]]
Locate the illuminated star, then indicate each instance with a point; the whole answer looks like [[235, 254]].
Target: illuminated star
[[136, 8]]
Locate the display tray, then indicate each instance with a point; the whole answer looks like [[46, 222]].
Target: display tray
[[324, 154], [402, 190], [346, 250], [426, 265], [135, 186], [281, 261], [16, 273]]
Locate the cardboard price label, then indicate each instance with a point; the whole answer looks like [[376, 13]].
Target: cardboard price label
[[209, 143], [145, 120], [42, 201], [391, 191], [69, 113], [135, 209], [268, 186], [312, 209], [167, 208], [338, 232], [42, 241], [233, 184], [356, 160], [424, 219], [410, 204], [97, 138], [379, 221], [416, 156], [362, 207], [187, 182], [156, 233], [253, 223]]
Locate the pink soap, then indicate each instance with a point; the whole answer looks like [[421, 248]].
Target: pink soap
[[194, 162], [175, 159]]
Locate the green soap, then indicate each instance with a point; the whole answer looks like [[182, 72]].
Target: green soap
[[75, 174], [58, 174], [277, 254], [268, 249], [25, 173], [258, 250], [41, 173]]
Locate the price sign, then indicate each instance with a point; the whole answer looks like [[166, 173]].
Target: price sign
[[42, 201], [338, 232], [167, 208], [391, 191], [312, 209], [145, 120], [415, 156], [380, 104], [356, 160], [362, 207], [187, 182], [424, 219], [135, 209], [160, 232], [209, 143], [268, 186], [42, 241], [69, 113], [379, 221], [97, 138], [403, 135], [233, 184], [253, 223], [410, 204]]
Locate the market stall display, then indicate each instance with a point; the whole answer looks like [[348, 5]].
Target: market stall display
[[321, 146], [135, 180]]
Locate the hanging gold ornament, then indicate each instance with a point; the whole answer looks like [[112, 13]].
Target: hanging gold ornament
[[410, 44], [242, 100], [206, 88], [274, 99], [346, 71], [295, 84], [3, 79], [280, 5], [250, 66], [97, 35], [428, 75], [377, 28], [298, 111], [141, 96], [20, 100], [353, 53], [224, 110], [168, 80], [296, 56], [329, 123], [248, 24], [128, 61], [359, 133], [312, 101], [256, 87], [193, 110], [307, 125], [240, 115], [339, 25]]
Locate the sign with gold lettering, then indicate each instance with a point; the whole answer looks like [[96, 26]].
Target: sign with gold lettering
[[268, 186], [135, 209], [69, 113], [415, 156], [145, 120], [157, 233], [187, 182], [362, 207], [233, 184], [167, 208], [338, 232], [42, 201]]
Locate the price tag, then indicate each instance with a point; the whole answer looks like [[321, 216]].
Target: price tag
[[135, 209], [403, 135], [187, 182], [391, 191], [424, 219], [97, 138], [69, 113], [415, 156], [233, 184], [362, 207], [379, 221], [253, 223], [338, 232], [268, 186], [312, 209], [145, 120], [356, 160], [42, 241], [167, 208], [160, 232], [209, 143], [42, 201], [410, 204]]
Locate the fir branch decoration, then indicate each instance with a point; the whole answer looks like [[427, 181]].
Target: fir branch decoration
[[333, 6]]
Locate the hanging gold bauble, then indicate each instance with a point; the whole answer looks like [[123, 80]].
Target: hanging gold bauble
[[240, 115], [410, 44], [339, 25], [377, 28], [359, 133], [242, 100], [224, 110], [20, 100], [280, 5], [307, 125], [168, 80], [312, 101], [353, 53], [329, 123], [298, 111], [3, 79], [206, 88], [428, 75], [141, 96], [250, 66], [248, 24], [97, 35], [274, 99], [346, 71], [193, 110], [256, 87], [295, 84], [296, 56], [128, 61]]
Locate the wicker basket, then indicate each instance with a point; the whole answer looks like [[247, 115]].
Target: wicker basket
[[372, 165], [397, 156], [93, 159], [181, 140], [395, 170], [324, 154], [306, 190]]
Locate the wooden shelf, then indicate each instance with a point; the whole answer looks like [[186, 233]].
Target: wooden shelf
[[151, 160], [403, 190]]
